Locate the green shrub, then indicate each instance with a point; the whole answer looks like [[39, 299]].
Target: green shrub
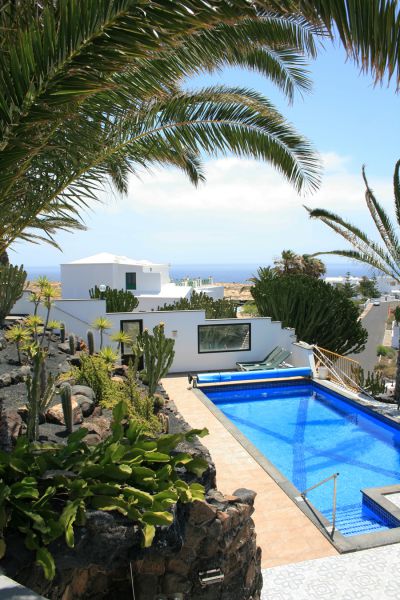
[[214, 309], [12, 281], [385, 351], [45, 489], [94, 372], [319, 313], [116, 300]]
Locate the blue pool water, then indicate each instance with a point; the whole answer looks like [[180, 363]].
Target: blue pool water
[[308, 434]]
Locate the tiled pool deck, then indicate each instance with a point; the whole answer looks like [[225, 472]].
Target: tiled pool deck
[[366, 575], [284, 533]]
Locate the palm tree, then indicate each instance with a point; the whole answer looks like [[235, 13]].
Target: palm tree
[[296, 264], [92, 92], [101, 324], [382, 256]]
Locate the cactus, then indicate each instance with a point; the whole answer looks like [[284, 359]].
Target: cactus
[[66, 403], [137, 351], [158, 352], [41, 390], [164, 420], [116, 300], [62, 332], [12, 281], [72, 344], [90, 341]]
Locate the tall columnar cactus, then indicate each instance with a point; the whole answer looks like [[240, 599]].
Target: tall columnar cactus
[[90, 341], [116, 300], [12, 281], [72, 344], [62, 332], [66, 403], [41, 389], [158, 352]]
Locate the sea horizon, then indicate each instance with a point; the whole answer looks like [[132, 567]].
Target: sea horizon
[[223, 273]]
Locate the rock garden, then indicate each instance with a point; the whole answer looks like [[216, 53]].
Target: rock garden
[[105, 491]]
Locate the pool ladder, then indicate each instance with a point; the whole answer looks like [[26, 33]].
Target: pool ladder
[[334, 476]]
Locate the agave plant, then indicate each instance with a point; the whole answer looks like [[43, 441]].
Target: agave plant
[[384, 256], [110, 100]]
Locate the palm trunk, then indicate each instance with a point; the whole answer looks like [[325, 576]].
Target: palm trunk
[[397, 387]]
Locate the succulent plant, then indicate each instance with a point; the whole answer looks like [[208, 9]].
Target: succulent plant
[[90, 341], [62, 332], [72, 344], [66, 403]]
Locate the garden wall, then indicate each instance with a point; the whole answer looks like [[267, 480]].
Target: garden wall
[[182, 326]]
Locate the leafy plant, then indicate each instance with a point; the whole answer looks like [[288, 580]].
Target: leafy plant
[[368, 288], [101, 324], [34, 325], [319, 313], [222, 308], [19, 335], [121, 337], [12, 281], [93, 372], [109, 355], [158, 352], [116, 300], [143, 405], [382, 350], [46, 489], [396, 313]]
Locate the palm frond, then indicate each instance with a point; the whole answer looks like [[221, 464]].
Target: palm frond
[[382, 221], [357, 238]]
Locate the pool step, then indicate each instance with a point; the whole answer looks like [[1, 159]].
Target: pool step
[[354, 521]]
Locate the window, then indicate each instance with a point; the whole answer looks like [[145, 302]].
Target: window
[[133, 329], [224, 338], [130, 281]]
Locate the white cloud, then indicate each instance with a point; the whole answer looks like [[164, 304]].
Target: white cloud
[[244, 187]]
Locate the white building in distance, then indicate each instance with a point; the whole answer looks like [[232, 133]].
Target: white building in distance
[[149, 282]]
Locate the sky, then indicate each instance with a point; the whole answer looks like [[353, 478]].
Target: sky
[[246, 212]]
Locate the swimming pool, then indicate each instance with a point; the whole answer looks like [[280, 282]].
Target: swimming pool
[[308, 433]]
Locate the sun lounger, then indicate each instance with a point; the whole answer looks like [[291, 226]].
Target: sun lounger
[[270, 357], [274, 362]]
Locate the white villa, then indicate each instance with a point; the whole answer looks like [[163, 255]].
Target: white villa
[[149, 282], [201, 344]]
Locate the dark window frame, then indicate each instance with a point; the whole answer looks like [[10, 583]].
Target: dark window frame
[[121, 328], [129, 289], [223, 350]]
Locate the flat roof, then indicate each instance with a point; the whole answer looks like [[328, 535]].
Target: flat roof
[[105, 258]]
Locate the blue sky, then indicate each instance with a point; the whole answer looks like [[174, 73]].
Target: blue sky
[[245, 212]]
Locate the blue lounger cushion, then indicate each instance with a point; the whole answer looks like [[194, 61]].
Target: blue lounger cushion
[[253, 375]]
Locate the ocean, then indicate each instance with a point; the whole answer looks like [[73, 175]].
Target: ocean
[[225, 273]]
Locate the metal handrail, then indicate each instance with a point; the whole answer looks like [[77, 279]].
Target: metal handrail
[[334, 476], [340, 376]]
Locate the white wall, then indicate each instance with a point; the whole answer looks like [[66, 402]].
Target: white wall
[[214, 291], [182, 326], [76, 280]]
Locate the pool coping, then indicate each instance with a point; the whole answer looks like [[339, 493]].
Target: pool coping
[[343, 544]]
